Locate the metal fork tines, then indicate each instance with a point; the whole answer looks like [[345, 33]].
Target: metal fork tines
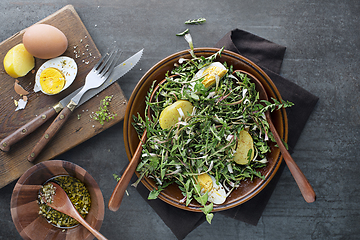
[[107, 63], [99, 73]]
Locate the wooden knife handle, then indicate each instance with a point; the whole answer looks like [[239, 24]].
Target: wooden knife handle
[[50, 132], [26, 129]]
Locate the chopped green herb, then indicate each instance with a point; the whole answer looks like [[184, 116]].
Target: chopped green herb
[[116, 177], [183, 33], [104, 114], [196, 21]]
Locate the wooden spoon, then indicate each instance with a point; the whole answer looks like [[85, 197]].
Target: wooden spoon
[[118, 193], [62, 203], [306, 190]]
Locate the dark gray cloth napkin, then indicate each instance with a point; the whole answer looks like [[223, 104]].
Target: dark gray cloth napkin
[[269, 57]]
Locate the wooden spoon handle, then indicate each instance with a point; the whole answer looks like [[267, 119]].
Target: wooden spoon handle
[[75, 214], [118, 193], [50, 133], [306, 190]]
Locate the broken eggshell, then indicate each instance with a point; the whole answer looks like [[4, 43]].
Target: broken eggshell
[[66, 65], [21, 104], [19, 89]]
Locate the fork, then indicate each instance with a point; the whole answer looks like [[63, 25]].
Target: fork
[[95, 78]]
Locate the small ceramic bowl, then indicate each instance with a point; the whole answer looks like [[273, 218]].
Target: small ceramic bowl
[[25, 209], [136, 104]]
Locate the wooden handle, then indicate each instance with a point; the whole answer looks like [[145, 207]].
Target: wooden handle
[[50, 132], [76, 215], [94, 232], [306, 189], [26, 129], [118, 193]]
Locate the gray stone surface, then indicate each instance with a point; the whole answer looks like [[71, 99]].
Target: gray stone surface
[[323, 43]]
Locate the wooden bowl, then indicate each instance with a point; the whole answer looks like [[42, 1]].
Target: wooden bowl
[[25, 209], [136, 104]]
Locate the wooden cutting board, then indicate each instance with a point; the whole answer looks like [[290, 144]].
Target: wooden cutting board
[[80, 125]]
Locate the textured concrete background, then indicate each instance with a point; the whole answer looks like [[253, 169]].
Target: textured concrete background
[[323, 43]]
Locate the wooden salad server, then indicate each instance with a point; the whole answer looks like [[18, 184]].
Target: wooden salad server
[[62, 203], [306, 189], [118, 193]]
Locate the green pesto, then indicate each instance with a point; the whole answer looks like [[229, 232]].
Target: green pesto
[[79, 196]]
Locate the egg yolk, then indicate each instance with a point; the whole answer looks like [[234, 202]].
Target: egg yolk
[[210, 75], [205, 182], [52, 81]]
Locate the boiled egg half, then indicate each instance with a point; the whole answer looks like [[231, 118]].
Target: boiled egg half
[[55, 75], [216, 192], [211, 73]]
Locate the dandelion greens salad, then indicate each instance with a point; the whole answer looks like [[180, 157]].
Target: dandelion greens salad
[[207, 131]]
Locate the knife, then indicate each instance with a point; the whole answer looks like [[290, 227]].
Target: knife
[[31, 126]]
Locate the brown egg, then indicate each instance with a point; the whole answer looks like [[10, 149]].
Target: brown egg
[[45, 41]]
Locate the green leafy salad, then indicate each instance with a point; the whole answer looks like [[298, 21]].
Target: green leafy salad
[[207, 131]]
